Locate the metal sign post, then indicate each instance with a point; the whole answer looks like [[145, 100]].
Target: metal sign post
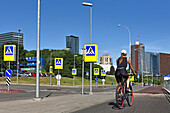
[[8, 74], [91, 56]]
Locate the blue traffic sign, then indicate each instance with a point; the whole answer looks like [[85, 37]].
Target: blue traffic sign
[[96, 79], [8, 72]]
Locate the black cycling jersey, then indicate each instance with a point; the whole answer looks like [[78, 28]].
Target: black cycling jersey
[[121, 70]]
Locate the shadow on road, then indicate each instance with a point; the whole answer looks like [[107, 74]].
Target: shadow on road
[[115, 107], [48, 95]]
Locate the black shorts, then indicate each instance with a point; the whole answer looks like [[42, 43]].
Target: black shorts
[[120, 74]]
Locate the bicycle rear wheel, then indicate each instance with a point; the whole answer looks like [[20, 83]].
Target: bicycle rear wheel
[[119, 96], [130, 96]]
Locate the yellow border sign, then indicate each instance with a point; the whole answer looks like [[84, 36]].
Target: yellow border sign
[[103, 72], [91, 52], [96, 71], [9, 52], [51, 69], [131, 78], [58, 63], [74, 71]]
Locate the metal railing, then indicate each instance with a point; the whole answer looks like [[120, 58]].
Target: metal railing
[[167, 85]]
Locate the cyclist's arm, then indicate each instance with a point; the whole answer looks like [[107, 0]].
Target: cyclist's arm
[[128, 60]]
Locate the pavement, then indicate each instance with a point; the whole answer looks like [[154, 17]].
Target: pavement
[[64, 103], [58, 104]]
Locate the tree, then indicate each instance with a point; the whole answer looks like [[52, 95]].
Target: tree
[[112, 70]]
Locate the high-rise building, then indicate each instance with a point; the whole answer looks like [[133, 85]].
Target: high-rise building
[[138, 56], [11, 37], [151, 62], [72, 43]]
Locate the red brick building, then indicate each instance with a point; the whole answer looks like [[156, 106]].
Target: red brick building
[[164, 63]]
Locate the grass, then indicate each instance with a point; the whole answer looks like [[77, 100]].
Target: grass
[[64, 80]]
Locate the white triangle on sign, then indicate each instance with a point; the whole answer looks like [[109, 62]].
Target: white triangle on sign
[[58, 62], [8, 51], [90, 51]]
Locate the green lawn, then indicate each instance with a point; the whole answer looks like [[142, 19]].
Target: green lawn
[[64, 80]]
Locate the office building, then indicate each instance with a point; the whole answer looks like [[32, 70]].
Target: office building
[[72, 44], [151, 62], [138, 56], [11, 37], [163, 63]]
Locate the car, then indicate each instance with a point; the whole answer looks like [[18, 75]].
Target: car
[[21, 74]]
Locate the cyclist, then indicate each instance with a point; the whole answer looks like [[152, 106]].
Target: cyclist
[[121, 68]]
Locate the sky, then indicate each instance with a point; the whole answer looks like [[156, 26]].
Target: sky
[[148, 19]]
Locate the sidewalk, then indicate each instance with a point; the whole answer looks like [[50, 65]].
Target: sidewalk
[[152, 90], [58, 104]]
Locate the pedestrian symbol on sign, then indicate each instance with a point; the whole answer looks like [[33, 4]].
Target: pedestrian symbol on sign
[[90, 50], [96, 70], [9, 50], [103, 71], [58, 61]]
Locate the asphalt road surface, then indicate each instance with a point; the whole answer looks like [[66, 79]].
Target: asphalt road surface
[[143, 103], [44, 93]]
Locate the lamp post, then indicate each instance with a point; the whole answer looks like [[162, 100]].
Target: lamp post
[[74, 68], [18, 56], [38, 53], [129, 39], [90, 5], [50, 65]]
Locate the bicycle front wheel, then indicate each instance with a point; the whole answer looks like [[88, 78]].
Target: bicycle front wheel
[[119, 96], [130, 96]]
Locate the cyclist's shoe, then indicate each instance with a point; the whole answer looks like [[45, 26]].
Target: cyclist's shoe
[[128, 90]]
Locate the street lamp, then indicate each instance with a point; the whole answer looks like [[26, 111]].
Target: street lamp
[[50, 64], [74, 68], [38, 53], [18, 56], [129, 38], [90, 5]]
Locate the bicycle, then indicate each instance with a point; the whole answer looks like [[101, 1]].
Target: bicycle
[[122, 94]]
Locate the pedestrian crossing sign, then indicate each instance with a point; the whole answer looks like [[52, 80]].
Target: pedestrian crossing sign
[[96, 71], [58, 63], [91, 52], [74, 71], [51, 69], [103, 72], [9, 52]]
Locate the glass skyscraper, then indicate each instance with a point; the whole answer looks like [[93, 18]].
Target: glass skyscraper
[[72, 43], [11, 37]]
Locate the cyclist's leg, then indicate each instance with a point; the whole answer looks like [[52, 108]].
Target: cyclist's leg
[[127, 82], [118, 76]]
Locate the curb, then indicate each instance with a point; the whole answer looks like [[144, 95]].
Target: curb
[[12, 91]]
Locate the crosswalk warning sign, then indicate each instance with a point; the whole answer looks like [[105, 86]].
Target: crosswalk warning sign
[[74, 71], [103, 72], [96, 71], [91, 52], [58, 63], [9, 52]]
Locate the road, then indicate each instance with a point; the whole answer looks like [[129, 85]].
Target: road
[[44, 93], [150, 103]]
